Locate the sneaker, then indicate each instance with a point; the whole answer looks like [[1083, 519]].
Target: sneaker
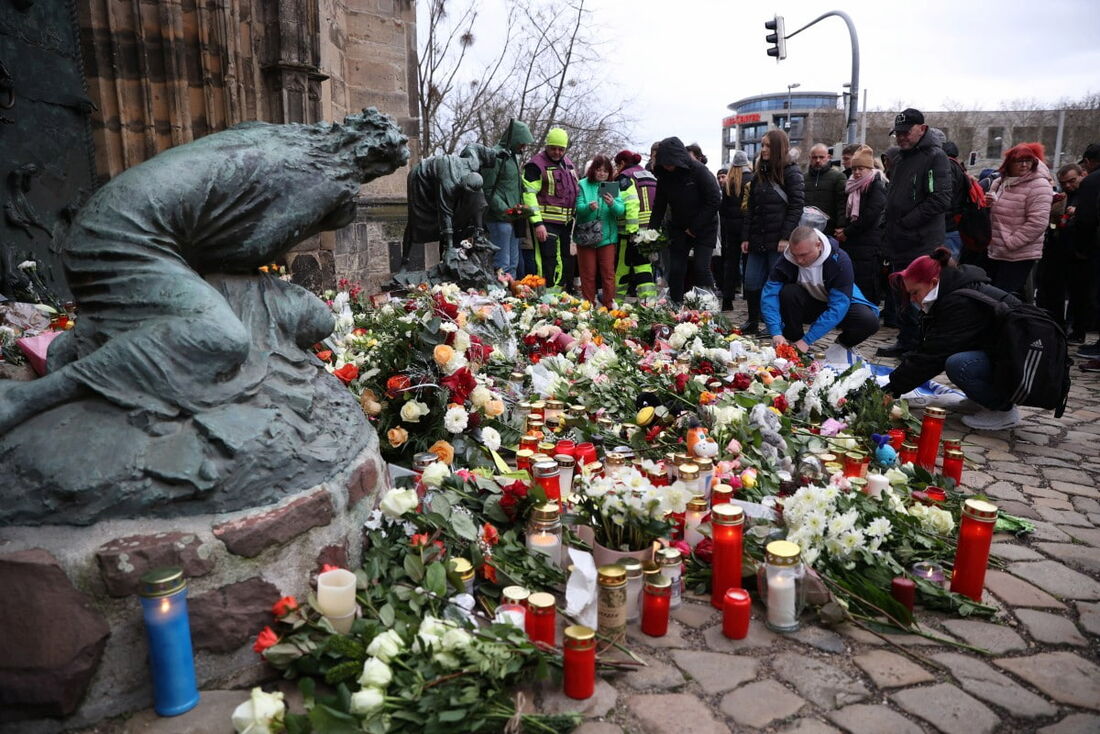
[[895, 351], [841, 356], [993, 420], [1093, 365], [1090, 351], [750, 328]]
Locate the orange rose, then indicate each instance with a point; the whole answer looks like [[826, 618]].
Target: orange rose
[[444, 450], [443, 354], [397, 436], [493, 408]]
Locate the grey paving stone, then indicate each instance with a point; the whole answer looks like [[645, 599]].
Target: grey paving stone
[[1050, 628], [1020, 509], [858, 634], [982, 681], [822, 639], [657, 674], [1012, 467], [1057, 579], [1073, 476], [809, 726], [1052, 452], [997, 638], [975, 479], [1082, 490], [714, 672], [1063, 676], [554, 701], [988, 440], [1043, 492], [1004, 491], [695, 615], [1089, 617], [1085, 504], [862, 718], [598, 727], [1014, 552], [1085, 535], [1018, 593], [1083, 557], [823, 684], [1063, 517], [1074, 724], [1059, 503], [758, 704], [1049, 531], [210, 715], [759, 636], [948, 709], [890, 670], [672, 712], [673, 638]]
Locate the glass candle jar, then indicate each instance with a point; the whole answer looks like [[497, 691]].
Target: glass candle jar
[[931, 430], [465, 571], [904, 592], [548, 447], [548, 476], [689, 475], [531, 443], [671, 472], [908, 454], [929, 571], [853, 463], [935, 494], [875, 484], [519, 415], [706, 476], [736, 610], [514, 595], [780, 581], [720, 494], [727, 523], [672, 562], [566, 468], [515, 385], [541, 618], [693, 518], [544, 532], [656, 602], [554, 409], [611, 601], [953, 461], [614, 463], [565, 447], [634, 584], [951, 444], [513, 614], [897, 438], [536, 429], [972, 555], [163, 594], [585, 453], [579, 662], [538, 408]]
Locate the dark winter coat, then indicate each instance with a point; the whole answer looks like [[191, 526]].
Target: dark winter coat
[[689, 192], [769, 218], [863, 237], [732, 215], [501, 181], [918, 199], [960, 189], [825, 190], [955, 323], [1084, 229]]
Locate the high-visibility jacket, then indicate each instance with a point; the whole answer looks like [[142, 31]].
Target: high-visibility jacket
[[644, 184], [550, 189]]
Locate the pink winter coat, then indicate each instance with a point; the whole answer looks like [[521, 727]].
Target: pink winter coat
[[1020, 215]]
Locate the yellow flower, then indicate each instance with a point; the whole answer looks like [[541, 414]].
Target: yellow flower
[[442, 354], [494, 408], [397, 436]]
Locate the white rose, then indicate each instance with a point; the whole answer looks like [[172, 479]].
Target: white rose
[[375, 673], [385, 646], [455, 420], [398, 501], [456, 639], [434, 475], [259, 713], [896, 476], [367, 701], [412, 410], [462, 340], [481, 396], [491, 438]]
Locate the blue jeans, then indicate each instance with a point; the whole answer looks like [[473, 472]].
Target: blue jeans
[[504, 237], [953, 241], [973, 373], [757, 269]]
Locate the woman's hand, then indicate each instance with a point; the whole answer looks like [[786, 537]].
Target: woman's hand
[[608, 199], [592, 205], [782, 246], [778, 340], [745, 247]]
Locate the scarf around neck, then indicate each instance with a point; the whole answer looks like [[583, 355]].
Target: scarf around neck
[[855, 189]]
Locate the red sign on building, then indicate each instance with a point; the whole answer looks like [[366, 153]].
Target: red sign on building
[[740, 119]]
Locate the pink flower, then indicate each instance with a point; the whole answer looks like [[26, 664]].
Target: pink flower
[[464, 474], [733, 447], [832, 427]]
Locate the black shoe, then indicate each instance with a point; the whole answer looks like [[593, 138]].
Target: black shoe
[[750, 328], [893, 352], [1090, 351], [1075, 338], [727, 305]]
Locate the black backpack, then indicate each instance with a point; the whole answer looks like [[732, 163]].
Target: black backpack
[[1030, 357], [975, 227]]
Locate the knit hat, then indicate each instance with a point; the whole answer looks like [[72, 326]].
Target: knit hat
[[557, 137], [740, 159], [864, 157]]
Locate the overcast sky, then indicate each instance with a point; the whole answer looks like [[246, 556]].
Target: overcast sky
[[700, 55]]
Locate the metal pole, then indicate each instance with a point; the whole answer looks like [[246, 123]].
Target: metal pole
[[853, 108], [1058, 140], [863, 120]]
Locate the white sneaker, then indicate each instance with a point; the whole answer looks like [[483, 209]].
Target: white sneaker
[[993, 420]]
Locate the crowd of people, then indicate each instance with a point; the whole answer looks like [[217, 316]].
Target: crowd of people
[[892, 237]]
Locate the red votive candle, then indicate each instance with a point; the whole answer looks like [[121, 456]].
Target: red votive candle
[[655, 603], [579, 665], [529, 442], [548, 476], [936, 494], [585, 453], [726, 521], [953, 465], [908, 453], [566, 447], [972, 555], [720, 494], [523, 459], [853, 465], [541, 618], [897, 438], [931, 430], [904, 591], [736, 610]]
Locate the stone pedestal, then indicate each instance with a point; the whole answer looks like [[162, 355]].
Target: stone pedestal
[[80, 654]]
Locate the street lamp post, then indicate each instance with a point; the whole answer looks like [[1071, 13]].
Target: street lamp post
[[796, 85]]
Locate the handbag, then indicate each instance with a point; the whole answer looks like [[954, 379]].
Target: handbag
[[588, 234]]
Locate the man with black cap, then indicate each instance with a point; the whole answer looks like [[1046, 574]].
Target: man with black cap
[[1085, 232], [916, 204]]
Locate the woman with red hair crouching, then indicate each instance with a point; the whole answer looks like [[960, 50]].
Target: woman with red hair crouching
[[1019, 214], [957, 336]]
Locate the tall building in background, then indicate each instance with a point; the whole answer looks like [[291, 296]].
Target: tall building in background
[[806, 117]]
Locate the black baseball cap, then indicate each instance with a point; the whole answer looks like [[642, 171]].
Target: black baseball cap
[[906, 119], [1092, 152]]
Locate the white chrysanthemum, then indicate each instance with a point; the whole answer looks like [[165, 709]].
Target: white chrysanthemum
[[676, 497], [480, 396], [880, 527], [810, 556], [448, 327], [851, 541], [490, 437], [456, 419], [462, 340]]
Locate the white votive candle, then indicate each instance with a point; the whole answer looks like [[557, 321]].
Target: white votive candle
[[781, 601], [547, 543], [875, 484], [336, 593]]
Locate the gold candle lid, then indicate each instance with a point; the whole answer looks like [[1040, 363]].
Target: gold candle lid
[[721, 489], [727, 513], [540, 600], [612, 575], [555, 404], [632, 566], [538, 405], [908, 446], [980, 510], [547, 447], [517, 377], [162, 582], [670, 556], [514, 594], [658, 582], [650, 567], [424, 459], [578, 633], [955, 454], [462, 567], [934, 412], [546, 468], [565, 461], [689, 471], [698, 503], [783, 553], [546, 512], [704, 465], [645, 416]]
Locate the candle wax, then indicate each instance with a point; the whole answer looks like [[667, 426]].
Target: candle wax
[[781, 601]]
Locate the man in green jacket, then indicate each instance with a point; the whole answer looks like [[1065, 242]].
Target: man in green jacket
[[503, 192]]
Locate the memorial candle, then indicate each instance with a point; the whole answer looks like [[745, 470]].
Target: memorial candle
[[904, 591], [931, 430], [544, 532], [336, 598], [875, 484], [908, 453], [780, 581], [972, 555], [548, 476], [655, 605], [541, 618], [727, 522], [585, 453], [897, 438], [579, 662], [168, 631], [693, 518], [721, 494], [736, 610], [953, 466], [567, 447], [566, 468]]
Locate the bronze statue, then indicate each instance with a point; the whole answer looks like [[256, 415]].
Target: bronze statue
[[180, 337]]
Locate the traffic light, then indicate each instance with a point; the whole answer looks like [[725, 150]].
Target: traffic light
[[776, 38]]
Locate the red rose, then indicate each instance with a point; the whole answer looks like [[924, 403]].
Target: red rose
[[652, 433], [265, 639], [512, 495], [741, 381], [397, 385], [325, 356], [704, 550], [284, 606], [329, 567], [445, 308], [780, 403], [681, 382], [347, 373]]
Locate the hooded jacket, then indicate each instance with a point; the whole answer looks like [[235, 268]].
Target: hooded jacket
[[917, 200], [769, 218], [825, 190], [690, 193], [1019, 216], [830, 275], [954, 323], [501, 182]]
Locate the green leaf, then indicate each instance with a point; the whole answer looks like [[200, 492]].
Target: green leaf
[[414, 567], [297, 723], [436, 579], [282, 654], [452, 715], [343, 671], [441, 506], [327, 720], [308, 688], [464, 526], [386, 615]]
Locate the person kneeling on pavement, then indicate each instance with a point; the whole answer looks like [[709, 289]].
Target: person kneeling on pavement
[[813, 283], [956, 336]]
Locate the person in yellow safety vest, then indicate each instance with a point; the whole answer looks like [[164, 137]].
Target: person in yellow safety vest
[[638, 188], [550, 189]]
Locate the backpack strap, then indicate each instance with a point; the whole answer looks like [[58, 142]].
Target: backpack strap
[[1000, 307]]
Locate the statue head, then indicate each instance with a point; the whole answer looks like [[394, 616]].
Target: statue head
[[376, 143], [472, 182]]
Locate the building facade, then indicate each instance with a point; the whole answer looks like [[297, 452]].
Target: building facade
[[806, 117]]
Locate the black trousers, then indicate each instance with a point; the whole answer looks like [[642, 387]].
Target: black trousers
[[554, 261], [1062, 274], [679, 261], [797, 308], [1010, 275]]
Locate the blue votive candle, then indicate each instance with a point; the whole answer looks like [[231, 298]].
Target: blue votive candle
[[168, 630]]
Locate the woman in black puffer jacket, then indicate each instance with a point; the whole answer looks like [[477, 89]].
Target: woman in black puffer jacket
[[862, 237], [775, 207]]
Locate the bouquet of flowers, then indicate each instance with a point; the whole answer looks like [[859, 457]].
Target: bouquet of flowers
[[519, 212], [650, 241], [625, 510]]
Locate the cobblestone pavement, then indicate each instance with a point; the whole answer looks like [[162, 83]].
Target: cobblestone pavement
[[1043, 670]]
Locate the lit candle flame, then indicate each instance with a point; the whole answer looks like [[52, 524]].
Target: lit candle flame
[[165, 606]]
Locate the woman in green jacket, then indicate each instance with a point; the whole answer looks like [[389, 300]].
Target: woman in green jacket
[[596, 257]]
